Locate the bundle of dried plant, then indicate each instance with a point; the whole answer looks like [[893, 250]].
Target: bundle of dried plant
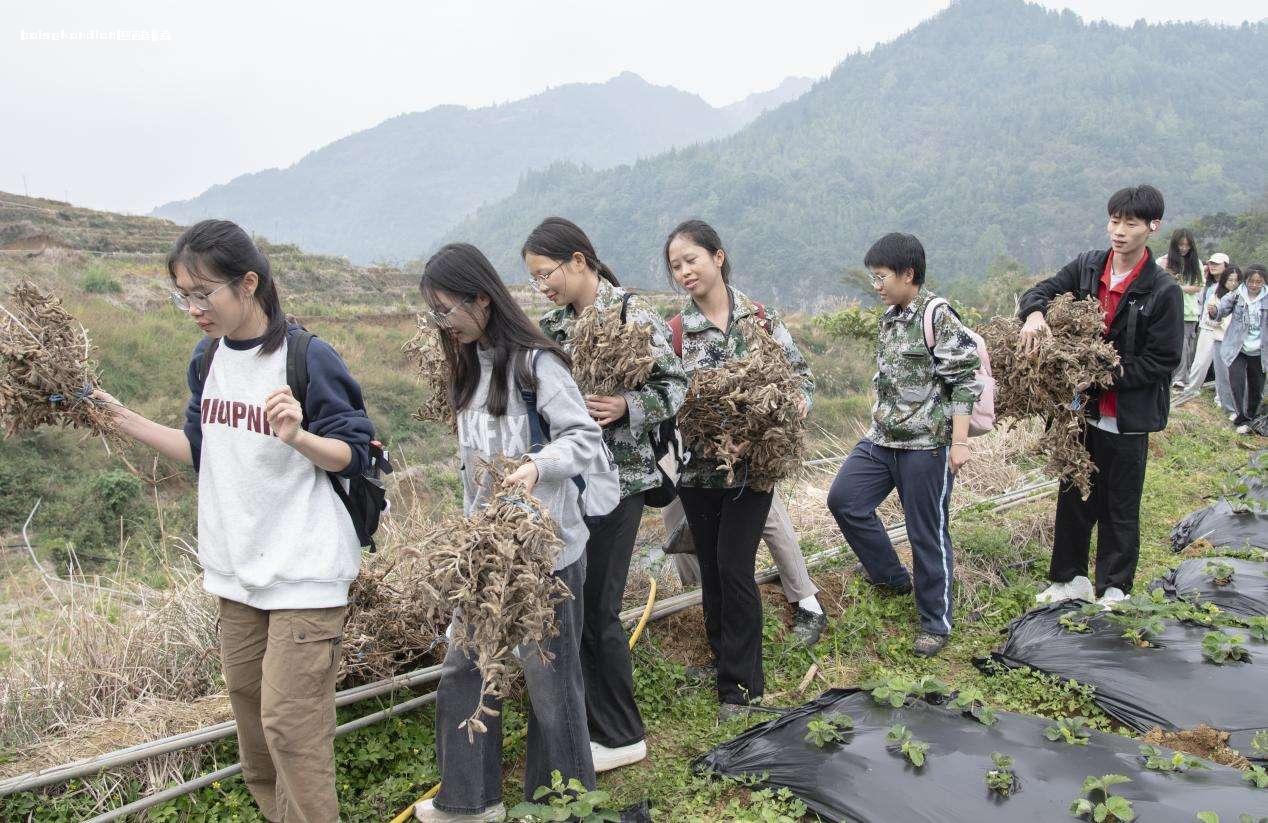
[[388, 630], [428, 354], [47, 370], [1044, 383], [609, 356], [492, 570], [746, 413]]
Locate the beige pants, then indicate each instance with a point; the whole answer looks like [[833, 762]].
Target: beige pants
[[280, 668], [780, 538]]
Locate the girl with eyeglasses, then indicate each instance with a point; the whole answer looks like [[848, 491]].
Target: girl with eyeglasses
[[276, 544]]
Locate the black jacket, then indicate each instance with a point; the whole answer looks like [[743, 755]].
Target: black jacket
[[1147, 331]]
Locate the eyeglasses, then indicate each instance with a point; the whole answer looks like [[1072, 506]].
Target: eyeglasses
[[877, 279], [441, 318], [202, 302], [542, 278]]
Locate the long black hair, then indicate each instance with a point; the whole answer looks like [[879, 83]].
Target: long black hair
[[559, 239], [462, 270], [1184, 265], [1229, 269], [704, 236], [218, 251]]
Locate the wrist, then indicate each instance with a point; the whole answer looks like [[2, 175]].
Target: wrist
[[302, 439], [963, 443]]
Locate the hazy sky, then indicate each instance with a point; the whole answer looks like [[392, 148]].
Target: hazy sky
[[195, 94]]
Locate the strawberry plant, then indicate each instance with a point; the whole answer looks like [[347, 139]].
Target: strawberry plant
[[895, 689], [833, 727], [1256, 776], [1259, 742], [1099, 804], [914, 750], [1077, 620], [970, 702], [1071, 730], [1001, 779], [1158, 760], [564, 801], [1221, 573], [1258, 627], [1220, 648]]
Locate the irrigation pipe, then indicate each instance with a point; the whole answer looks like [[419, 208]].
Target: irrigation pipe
[[197, 783], [91, 766]]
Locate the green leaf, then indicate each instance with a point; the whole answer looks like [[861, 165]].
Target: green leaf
[[1208, 817]]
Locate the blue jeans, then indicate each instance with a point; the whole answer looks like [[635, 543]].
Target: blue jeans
[[924, 483], [471, 772]]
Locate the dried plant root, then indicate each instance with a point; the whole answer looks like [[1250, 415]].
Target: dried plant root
[[428, 355], [1042, 383], [745, 413], [608, 356], [388, 629], [47, 369], [493, 571]]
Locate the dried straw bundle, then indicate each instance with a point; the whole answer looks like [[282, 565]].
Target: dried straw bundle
[[746, 410], [428, 354], [388, 629], [609, 356], [47, 371], [493, 570], [1042, 383]]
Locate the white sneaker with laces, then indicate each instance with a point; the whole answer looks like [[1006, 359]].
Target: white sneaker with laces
[[1112, 595], [1081, 589], [1055, 593], [605, 759], [426, 811]]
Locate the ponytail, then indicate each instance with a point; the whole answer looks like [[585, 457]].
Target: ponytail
[[559, 239], [219, 251]]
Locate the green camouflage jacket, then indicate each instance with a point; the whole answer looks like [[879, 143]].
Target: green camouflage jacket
[[658, 399], [705, 346], [917, 393]]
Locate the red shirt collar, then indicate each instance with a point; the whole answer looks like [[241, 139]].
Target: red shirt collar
[[1131, 276]]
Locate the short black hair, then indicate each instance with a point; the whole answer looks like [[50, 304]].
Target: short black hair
[[1136, 202], [898, 252]]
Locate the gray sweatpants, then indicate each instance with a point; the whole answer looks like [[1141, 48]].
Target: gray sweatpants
[[780, 538]]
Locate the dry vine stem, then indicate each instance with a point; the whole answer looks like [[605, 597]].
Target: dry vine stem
[[493, 570], [609, 356], [425, 349], [47, 371], [745, 412], [388, 629], [1042, 383]]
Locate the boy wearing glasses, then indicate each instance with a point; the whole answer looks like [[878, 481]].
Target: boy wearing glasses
[[925, 391]]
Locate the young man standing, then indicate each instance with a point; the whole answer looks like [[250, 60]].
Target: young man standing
[[917, 442], [1144, 320]]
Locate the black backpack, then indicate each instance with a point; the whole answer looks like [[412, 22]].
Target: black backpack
[[365, 498], [663, 439]]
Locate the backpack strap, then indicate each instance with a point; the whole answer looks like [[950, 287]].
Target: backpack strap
[[675, 328], [761, 318], [625, 304], [204, 365], [539, 429], [927, 320], [297, 366]]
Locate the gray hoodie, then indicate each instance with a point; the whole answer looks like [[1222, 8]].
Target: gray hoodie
[[576, 443]]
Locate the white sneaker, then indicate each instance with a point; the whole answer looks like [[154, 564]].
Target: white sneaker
[[605, 759], [426, 811], [1232, 416], [1112, 595], [1243, 429], [1080, 588], [1054, 593]]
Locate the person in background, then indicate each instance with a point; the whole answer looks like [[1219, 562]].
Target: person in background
[[1183, 262], [1210, 335], [563, 265], [780, 537], [1144, 321], [1243, 348], [918, 440]]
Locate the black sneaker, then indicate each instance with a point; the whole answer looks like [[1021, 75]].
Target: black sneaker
[[808, 626], [892, 588], [927, 645]]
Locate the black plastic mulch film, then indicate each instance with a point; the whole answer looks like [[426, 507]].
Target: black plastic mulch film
[[1231, 523], [1170, 685], [866, 779], [1246, 594]]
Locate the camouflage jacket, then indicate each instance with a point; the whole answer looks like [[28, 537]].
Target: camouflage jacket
[[917, 392], [705, 346], [656, 400]]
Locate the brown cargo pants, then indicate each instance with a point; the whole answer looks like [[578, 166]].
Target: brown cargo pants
[[280, 668]]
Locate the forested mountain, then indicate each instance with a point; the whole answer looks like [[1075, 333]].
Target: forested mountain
[[995, 127], [390, 191]]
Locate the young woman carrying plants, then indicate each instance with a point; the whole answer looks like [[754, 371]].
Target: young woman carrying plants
[[726, 518], [277, 546], [495, 353], [562, 265], [1210, 335], [1242, 348]]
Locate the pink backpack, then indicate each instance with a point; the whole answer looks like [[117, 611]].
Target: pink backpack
[[983, 417]]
